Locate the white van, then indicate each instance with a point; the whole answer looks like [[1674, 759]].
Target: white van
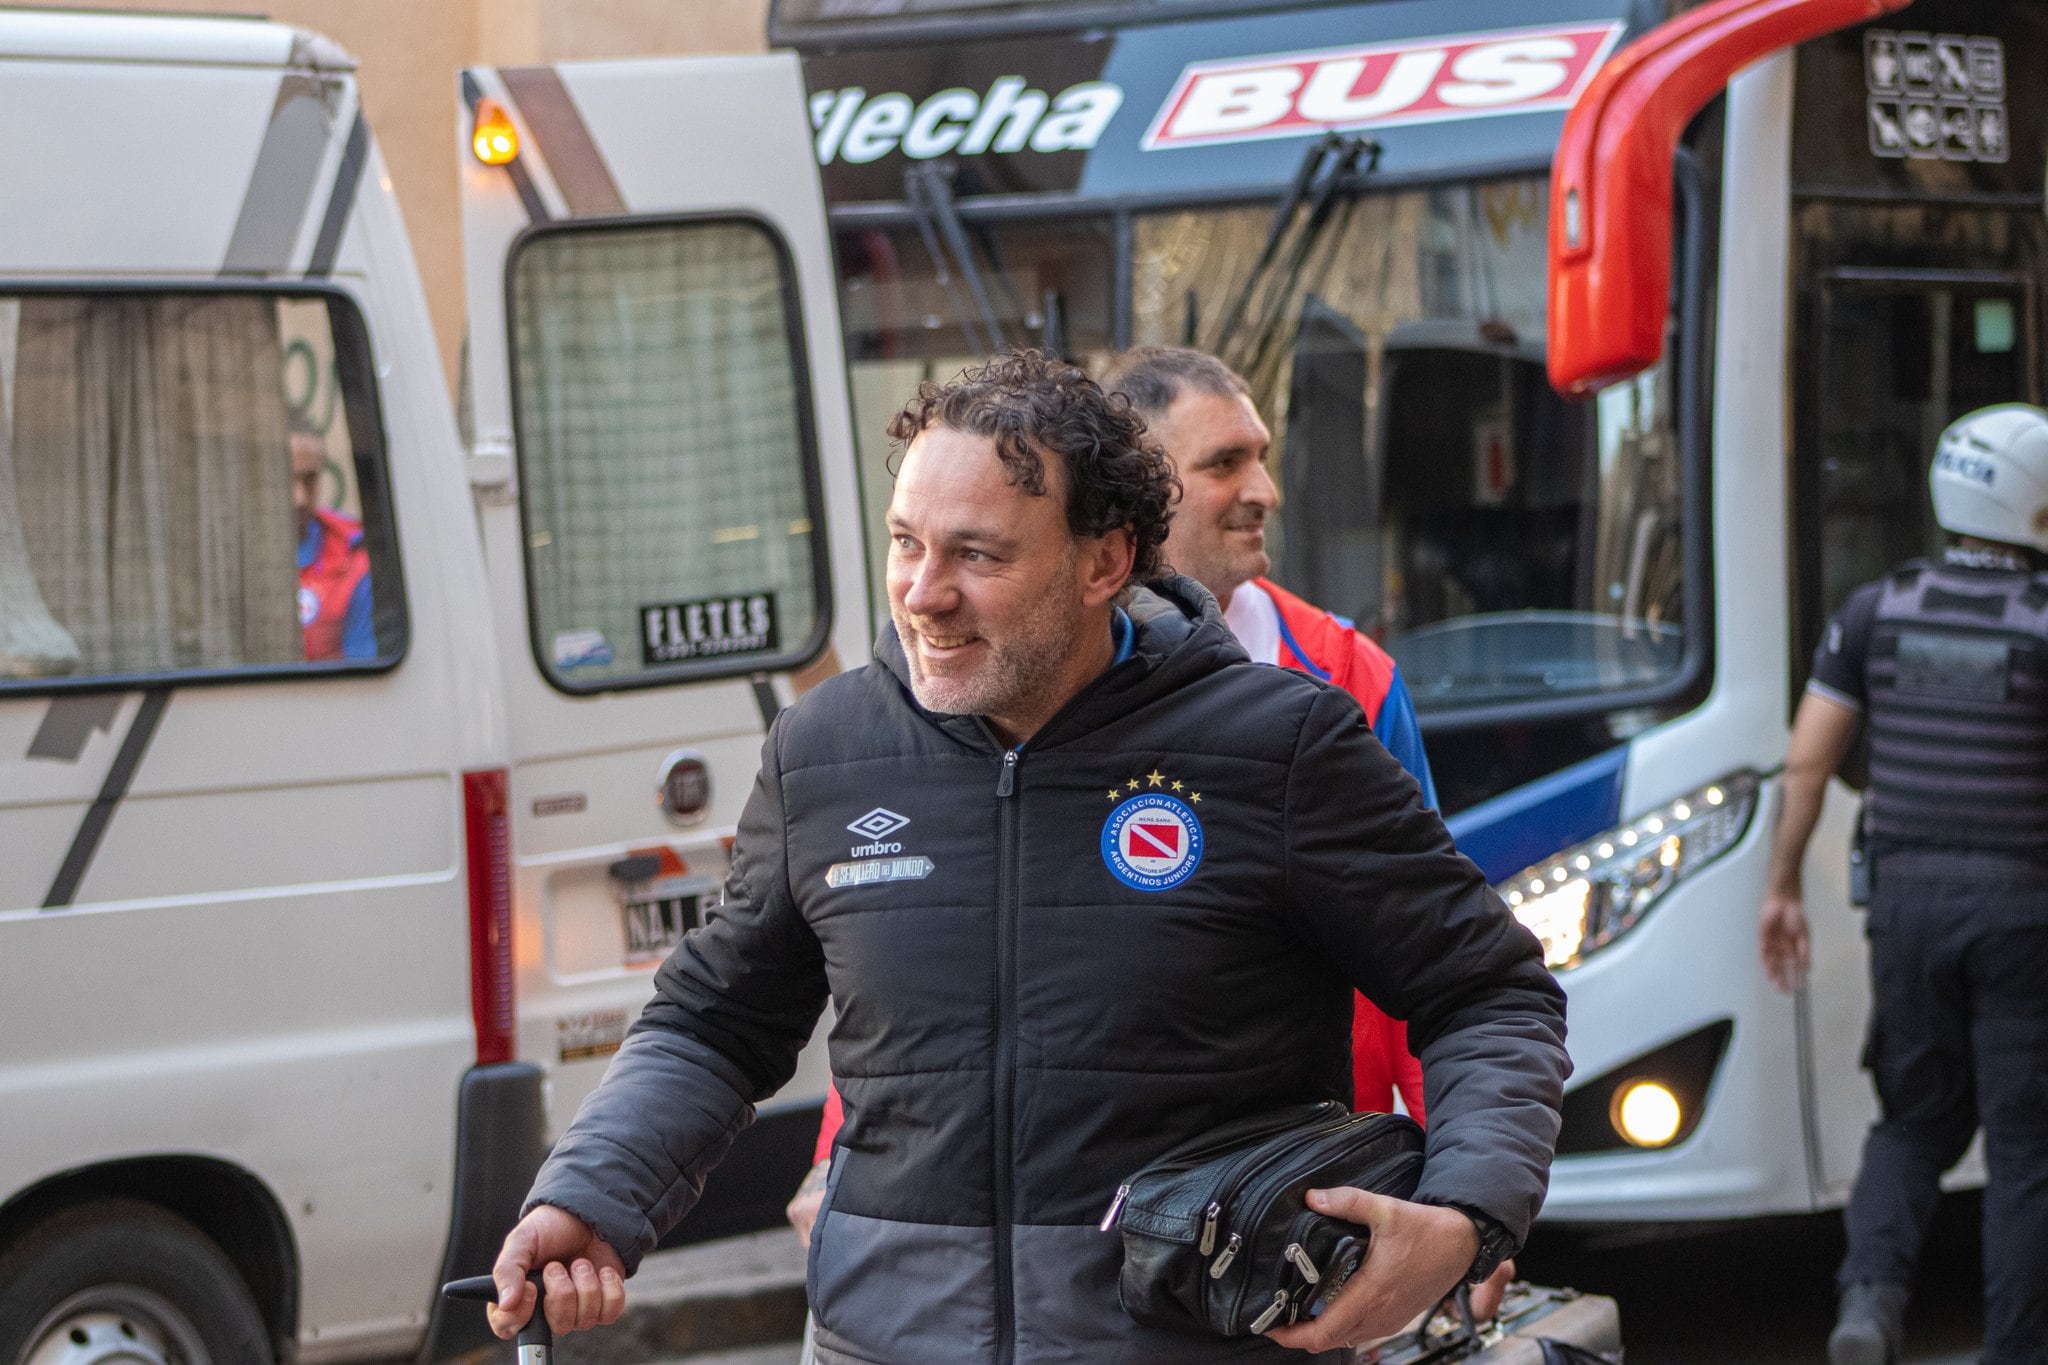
[[331, 860]]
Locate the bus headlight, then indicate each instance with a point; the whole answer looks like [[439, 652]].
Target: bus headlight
[[1589, 895]]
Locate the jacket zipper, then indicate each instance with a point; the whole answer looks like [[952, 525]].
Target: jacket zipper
[[1007, 858]]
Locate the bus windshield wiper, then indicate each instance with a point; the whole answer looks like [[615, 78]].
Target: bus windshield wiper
[[1052, 335], [1329, 168], [929, 190]]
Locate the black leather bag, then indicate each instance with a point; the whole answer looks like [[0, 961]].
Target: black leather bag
[[1216, 1237]]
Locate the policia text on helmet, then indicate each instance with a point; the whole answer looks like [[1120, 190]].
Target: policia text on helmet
[[1989, 478]]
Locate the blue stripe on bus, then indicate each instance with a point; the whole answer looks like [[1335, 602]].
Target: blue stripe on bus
[[1527, 825]]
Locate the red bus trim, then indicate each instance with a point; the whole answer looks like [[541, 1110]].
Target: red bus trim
[[1610, 187]]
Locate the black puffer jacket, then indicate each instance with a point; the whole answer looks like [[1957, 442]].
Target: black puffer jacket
[[1024, 1019]]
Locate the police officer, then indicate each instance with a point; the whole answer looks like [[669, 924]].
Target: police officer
[[1947, 664]]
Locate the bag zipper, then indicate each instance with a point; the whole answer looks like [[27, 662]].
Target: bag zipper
[[1179, 1160], [1255, 1204], [1222, 1262], [1239, 1177], [1258, 1197]]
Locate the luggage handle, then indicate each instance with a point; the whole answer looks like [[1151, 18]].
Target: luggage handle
[[536, 1341]]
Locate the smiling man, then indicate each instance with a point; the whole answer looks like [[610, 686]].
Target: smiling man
[[1202, 413], [1130, 883]]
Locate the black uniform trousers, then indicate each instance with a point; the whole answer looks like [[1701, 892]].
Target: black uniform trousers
[[1959, 1039]]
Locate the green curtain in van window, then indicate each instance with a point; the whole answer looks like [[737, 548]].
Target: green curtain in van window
[[32, 644], [659, 432], [153, 478]]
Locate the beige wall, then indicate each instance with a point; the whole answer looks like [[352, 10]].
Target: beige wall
[[410, 51]]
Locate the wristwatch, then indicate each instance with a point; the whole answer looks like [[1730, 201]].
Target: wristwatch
[[1496, 1244]]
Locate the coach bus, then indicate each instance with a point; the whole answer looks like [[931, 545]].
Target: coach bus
[[1825, 221]]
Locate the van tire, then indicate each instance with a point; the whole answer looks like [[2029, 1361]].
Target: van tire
[[127, 1274]]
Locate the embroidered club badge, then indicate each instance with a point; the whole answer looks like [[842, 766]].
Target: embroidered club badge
[[1152, 842]]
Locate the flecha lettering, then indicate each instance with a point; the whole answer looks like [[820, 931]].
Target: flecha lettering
[[1008, 118], [1420, 81], [1079, 115]]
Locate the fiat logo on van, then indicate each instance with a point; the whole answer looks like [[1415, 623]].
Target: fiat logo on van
[[684, 788]]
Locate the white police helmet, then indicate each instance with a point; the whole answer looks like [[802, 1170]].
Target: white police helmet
[[1990, 475]]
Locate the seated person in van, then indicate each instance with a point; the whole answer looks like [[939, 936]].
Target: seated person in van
[[334, 563]]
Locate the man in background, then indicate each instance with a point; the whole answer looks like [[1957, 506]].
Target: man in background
[[334, 564], [1201, 411]]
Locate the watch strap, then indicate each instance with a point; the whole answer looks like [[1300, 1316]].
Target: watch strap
[[1496, 1243]]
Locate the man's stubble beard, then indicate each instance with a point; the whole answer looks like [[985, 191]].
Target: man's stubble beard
[[1025, 664], [1226, 567]]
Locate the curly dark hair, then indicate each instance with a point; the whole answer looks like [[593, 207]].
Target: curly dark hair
[[1032, 404]]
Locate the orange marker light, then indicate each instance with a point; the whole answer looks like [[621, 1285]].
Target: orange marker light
[[495, 140]]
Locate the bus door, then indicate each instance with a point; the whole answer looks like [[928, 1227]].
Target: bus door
[[1918, 251], [659, 449], [1898, 355]]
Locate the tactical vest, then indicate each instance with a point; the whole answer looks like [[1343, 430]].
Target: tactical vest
[[1957, 682]]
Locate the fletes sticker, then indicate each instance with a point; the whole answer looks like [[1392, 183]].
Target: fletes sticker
[[1420, 80], [1152, 842], [673, 632]]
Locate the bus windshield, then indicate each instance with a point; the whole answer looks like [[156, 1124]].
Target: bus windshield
[[1505, 545]]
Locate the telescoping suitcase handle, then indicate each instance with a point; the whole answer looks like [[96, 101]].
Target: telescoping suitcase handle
[[535, 1342]]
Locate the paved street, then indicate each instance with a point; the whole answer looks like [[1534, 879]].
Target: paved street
[[1763, 1294]]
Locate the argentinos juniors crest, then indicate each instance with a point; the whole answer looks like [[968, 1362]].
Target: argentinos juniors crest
[[1152, 841]]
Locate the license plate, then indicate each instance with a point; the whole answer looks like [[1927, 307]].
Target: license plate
[[657, 915]]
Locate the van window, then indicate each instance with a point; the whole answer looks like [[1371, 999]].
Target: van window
[[667, 468], [191, 483]]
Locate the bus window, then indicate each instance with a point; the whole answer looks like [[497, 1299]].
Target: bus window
[[913, 311], [1508, 547]]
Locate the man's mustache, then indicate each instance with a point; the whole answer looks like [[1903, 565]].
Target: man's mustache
[[946, 626], [1252, 519]]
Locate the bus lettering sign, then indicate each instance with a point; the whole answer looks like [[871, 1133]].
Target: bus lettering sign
[[1423, 80]]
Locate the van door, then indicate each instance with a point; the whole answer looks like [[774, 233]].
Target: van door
[[660, 449]]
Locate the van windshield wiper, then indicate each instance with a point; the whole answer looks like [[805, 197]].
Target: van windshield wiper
[[929, 191], [1328, 169]]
